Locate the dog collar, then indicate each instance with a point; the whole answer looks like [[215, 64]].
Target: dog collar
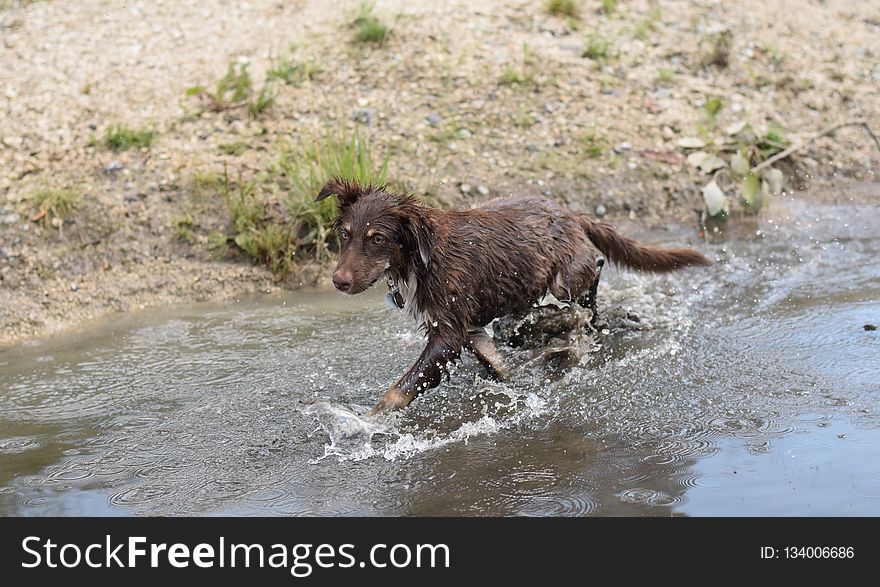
[[393, 298]]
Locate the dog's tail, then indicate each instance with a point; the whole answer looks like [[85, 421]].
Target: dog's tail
[[627, 252]]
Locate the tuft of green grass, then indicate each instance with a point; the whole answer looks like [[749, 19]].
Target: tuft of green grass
[[774, 55], [277, 221], [511, 77], [368, 28], [640, 31], [253, 231], [309, 164], [50, 203], [711, 109], [608, 7], [236, 82], [234, 148], [567, 8], [716, 48], [665, 76], [524, 119], [775, 135], [218, 244], [235, 89], [262, 102], [643, 28], [183, 227], [448, 132], [7, 4], [597, 47], [773, 141], [527, 76], [593, 144], [294, 73], [206, 182], [121, 137]]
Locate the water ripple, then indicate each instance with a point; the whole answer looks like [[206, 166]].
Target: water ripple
[[639, 495], [256, 408]]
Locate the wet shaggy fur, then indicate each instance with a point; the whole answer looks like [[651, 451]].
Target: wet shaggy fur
[[455, 271]]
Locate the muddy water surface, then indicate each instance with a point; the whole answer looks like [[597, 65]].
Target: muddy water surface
[[748, 388]]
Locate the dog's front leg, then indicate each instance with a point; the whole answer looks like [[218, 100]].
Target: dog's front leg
[[480, 343], [424, 375]]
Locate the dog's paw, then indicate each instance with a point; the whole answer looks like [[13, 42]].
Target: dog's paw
[[394, 399]]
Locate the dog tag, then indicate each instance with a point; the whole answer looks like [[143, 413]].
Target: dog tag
[[394, 301]]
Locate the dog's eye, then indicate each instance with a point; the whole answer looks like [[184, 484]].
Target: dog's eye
[[343, 234], [378, 239]]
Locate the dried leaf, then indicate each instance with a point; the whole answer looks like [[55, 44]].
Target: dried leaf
[[735, 128], [691, 143], [697, 157], [746, 135], [774, 179], [711, 163], [749, 189], [739, 165], [714, 198]]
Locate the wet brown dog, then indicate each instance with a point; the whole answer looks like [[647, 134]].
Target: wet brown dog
[[455, 271]]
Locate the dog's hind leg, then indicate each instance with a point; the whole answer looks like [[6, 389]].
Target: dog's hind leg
[[588, 299], [484, 349]]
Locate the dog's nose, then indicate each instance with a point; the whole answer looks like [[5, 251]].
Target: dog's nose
[[342, 280]]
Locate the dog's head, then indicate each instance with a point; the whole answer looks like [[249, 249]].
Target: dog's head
[[378, 230]]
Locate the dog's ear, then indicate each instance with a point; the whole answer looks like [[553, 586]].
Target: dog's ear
[[421, 237], [347, 190]]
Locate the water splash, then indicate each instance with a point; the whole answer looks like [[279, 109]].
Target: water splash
[[356, 437]]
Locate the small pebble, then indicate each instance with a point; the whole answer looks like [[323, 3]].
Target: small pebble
[[113, 167], [601, 211], [465, 188], [483, 190], [870, 327], [364, 116], [74, 286]]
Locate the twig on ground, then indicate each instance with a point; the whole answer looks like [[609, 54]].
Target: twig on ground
[[802, 144]]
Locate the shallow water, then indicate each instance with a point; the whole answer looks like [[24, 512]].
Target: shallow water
[[748, 388]]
